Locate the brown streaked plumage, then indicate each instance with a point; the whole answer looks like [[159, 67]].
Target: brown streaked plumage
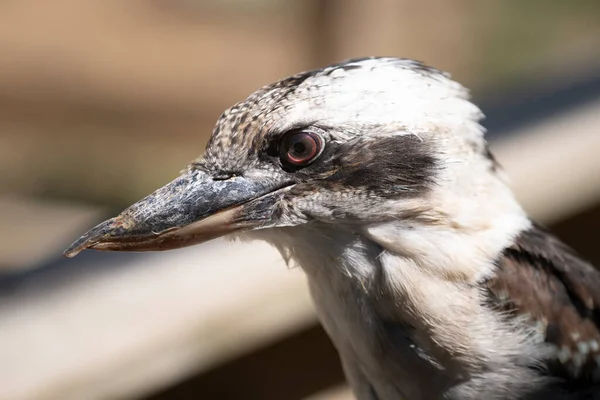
[[374, 176], [541, 279]]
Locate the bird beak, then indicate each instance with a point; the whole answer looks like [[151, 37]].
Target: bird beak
[[192, 209]]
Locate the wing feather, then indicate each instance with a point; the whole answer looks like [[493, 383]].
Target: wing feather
[[541, 279]]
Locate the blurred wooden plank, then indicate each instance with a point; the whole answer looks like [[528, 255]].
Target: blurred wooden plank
[[146, 323], [554, 165], [291, 368]]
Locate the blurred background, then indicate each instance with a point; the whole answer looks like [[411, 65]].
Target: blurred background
[[101, 102]]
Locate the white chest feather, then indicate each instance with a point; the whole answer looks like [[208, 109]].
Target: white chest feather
[[400, 310]]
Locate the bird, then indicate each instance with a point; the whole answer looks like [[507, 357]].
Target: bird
[[374, 176]]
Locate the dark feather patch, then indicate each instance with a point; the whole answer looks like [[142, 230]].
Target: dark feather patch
[[392, 166], [541, 277]]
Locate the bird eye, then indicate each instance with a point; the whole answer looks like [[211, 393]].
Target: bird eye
[[300, 148]]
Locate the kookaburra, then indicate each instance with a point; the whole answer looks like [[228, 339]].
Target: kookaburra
[[374, 176]]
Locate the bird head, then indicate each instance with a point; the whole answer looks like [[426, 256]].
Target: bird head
[[361, 142]]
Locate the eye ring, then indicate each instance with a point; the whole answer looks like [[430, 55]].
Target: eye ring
[[300, 148]]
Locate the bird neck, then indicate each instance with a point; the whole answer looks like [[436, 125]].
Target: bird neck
[[402, 300]]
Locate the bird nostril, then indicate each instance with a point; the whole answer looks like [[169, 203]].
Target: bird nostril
[[223, 176]]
